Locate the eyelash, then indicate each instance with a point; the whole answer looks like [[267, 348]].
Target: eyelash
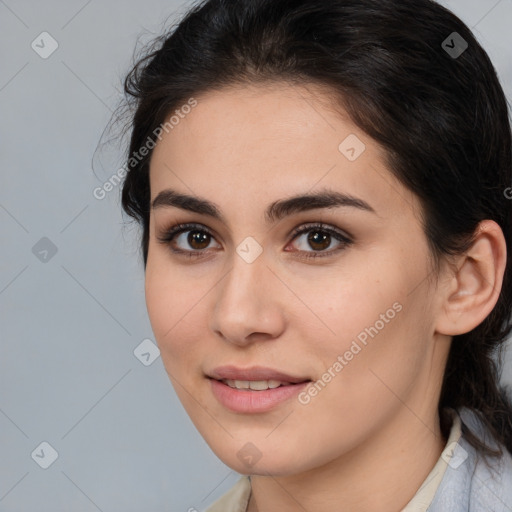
[[170, 234]]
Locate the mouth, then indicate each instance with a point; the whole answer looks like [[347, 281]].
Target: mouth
[[254, 390], [254, 374], [255, 385]]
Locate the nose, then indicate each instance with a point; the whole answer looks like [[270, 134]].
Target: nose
[[248, 305]]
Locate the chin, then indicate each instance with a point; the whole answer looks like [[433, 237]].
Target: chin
[[264, 461]]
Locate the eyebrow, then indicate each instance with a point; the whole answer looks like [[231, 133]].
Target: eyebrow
[[274, 212]]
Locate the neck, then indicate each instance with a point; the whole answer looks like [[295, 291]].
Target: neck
[[383, 474]]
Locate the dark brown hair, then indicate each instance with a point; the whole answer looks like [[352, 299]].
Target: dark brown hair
[[442, 119]]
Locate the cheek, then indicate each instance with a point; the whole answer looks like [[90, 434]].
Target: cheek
[[373, 323], [378, 364], [361, 381], [174, 309], [356, 304]]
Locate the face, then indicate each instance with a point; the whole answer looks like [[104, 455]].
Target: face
[[325, 296]]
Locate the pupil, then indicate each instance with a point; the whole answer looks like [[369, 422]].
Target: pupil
[[316, 238], [198, 240]]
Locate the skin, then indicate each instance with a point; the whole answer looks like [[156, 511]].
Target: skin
[[244, 148]]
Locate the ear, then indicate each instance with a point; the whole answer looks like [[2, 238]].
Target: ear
[[471, 291]]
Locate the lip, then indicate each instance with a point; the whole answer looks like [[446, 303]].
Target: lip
[[249, 401], [254, 373]]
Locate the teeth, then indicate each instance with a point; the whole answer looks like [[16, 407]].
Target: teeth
[[255, 385], [260, 385], [275, 384]]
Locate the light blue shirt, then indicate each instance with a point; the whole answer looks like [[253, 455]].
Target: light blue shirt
[[472, 486]]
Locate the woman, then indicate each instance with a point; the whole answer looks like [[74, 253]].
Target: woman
[[326, 233]]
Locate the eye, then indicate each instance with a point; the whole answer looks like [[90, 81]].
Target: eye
[[319, 238], [180, 236], [193, 240]]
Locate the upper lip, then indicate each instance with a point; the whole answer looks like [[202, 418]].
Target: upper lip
[[253, 373]]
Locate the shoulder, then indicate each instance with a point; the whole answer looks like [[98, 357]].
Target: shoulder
[[472, 482]]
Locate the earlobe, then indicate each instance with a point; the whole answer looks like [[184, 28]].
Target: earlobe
[[473, 290]]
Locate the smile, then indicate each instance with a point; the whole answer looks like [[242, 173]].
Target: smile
[[251, 397], [254, 385]]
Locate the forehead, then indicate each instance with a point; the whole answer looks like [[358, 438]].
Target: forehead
[[261, 119], [250, 142]]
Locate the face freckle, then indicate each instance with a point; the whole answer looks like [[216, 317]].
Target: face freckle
[[356, 322]]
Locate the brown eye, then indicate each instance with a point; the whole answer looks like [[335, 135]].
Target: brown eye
[[187, 238], [319, 238], [198, 239]]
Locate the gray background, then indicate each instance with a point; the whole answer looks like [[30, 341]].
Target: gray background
[[69, 325]]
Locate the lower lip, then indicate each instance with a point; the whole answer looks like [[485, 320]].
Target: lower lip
[[247, 401]]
